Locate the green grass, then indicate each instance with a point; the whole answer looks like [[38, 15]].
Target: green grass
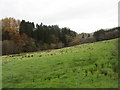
[[92, 65]]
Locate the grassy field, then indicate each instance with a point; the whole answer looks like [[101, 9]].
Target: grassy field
[[92, 65]]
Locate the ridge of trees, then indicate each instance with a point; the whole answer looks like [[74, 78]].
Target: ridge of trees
[[24, 36]]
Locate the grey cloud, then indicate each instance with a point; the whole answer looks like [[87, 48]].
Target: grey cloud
[[73, 13]]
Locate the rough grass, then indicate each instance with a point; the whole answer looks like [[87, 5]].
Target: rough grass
[[92, 65]]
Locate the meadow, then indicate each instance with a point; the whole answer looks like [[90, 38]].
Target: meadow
[[90, 65]]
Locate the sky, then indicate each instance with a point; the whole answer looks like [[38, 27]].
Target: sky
[[78, 15]]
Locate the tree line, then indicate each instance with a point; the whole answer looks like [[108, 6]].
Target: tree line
[[24, 36]]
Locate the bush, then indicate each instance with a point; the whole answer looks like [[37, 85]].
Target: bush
[[59, 45], [8, 47], [75, 41], [52, 45]]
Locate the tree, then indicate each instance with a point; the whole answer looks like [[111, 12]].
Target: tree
[[10, 24], [9, 27], [28, 44], [27, 28], [22, 27], [99, 35]]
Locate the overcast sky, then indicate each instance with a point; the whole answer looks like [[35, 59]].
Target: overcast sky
[[79, 15]]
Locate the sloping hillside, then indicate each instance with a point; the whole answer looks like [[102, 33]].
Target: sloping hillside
[[92, 65]]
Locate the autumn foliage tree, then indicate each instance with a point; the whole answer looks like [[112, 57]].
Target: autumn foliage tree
[[75, 41], [9, 27]]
